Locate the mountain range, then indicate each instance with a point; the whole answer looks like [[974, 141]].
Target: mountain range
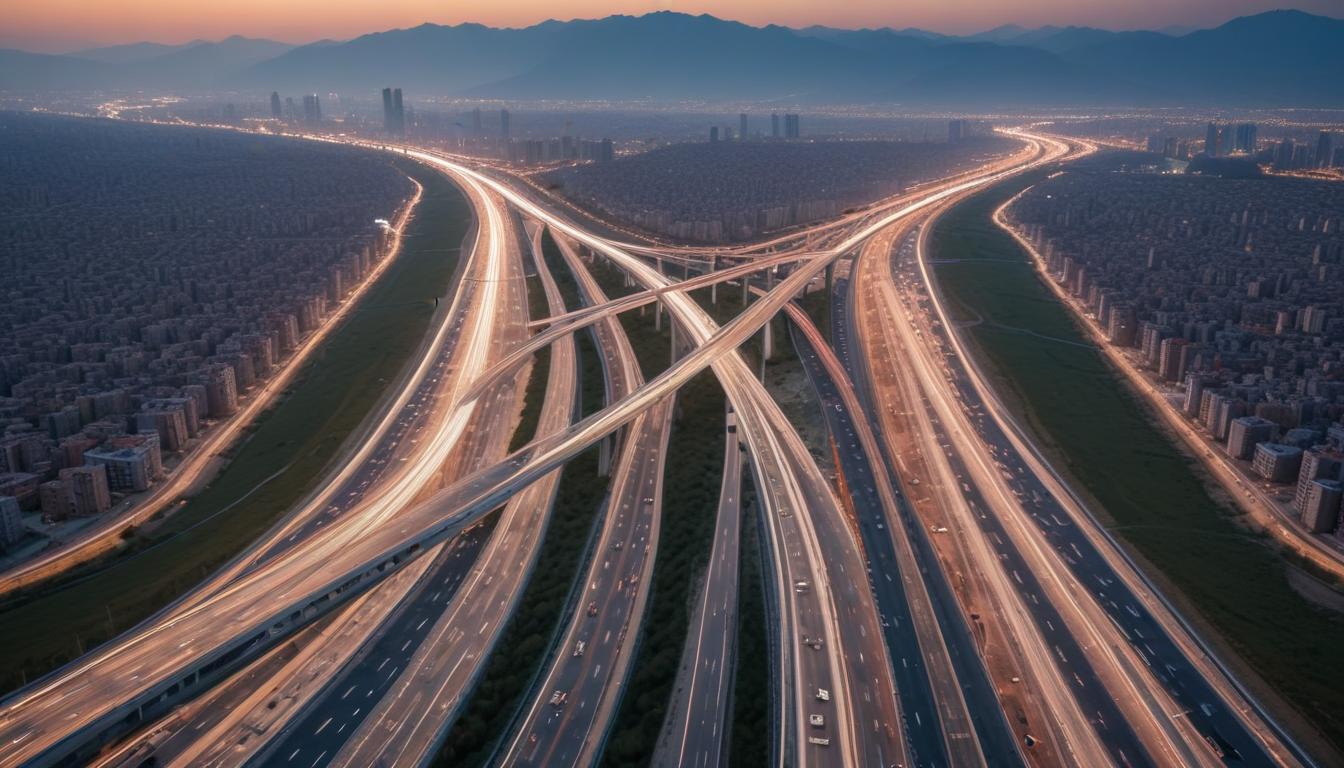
[[1278, 58]]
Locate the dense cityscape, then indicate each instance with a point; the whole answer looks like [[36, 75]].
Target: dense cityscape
[[155, 278], [853, 386], [1229, 291]]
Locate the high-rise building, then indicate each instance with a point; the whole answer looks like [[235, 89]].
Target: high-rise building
[[1317, 464], [1325, 149], [55, 502], [742, 126], [275, 105], [1172, 359], [1245, 433], [312, 109], [504, 124], [1320, 511], [1211, 140], [608, 151], [713, 134], [476, 121], [1283, 155], [394, 114], [792, 130], [11, 523], [774, 125], [132, 462], [1276, 462], [221, 390], [1246, 137], [955, 130], [87, 486]]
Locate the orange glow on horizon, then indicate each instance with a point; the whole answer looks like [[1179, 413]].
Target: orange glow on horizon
[[58, 25]]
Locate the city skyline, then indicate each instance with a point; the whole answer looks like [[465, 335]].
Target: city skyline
[[68, 26]]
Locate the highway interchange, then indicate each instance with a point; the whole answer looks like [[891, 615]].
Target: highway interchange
[[943, 600]]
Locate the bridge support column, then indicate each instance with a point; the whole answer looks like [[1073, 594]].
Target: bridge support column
[[714, 287]]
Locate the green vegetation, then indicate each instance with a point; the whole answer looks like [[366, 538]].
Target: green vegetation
[[692, 477], [1154, 495], [535, 393], [288, 449], [752, 729], [694, 467], [524, 645]]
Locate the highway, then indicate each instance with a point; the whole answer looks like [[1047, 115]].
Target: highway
[[432, 678], [993, 599], [698, 722], [1084, 660], [231, 617], [575, 701], [953, 430], [927, 678], [1222, 716]]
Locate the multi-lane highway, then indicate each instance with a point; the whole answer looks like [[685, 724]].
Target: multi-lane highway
[[950, 603], [576, 699], [696, 729]]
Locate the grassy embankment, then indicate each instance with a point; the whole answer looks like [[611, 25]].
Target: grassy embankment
[[1232, 580]]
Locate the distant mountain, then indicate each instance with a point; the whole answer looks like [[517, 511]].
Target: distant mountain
[[195, 65], [20, 70], [130, 52], [1281, 58]]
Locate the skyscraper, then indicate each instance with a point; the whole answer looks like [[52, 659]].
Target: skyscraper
[[394, 114], [774, 125], [1246, 137], [312, 109], [476, 121], [713, 134], [275, 105], [1283, 156], [791, 127], [504, 124], [1325, 149], [955, 130], [1211, 140], [742, 125]]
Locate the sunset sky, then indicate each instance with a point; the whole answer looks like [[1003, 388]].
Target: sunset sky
[[63, 25]]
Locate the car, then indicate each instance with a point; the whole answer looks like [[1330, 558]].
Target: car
[[618, 545], [558, 698], [800, 586], [820, 741], [823, 694], [592, 608], [816, 721], [578, 648]]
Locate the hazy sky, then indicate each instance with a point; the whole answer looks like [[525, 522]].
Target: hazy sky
[[61, 25]]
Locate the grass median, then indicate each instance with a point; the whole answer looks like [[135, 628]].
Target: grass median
[[285, 454]]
